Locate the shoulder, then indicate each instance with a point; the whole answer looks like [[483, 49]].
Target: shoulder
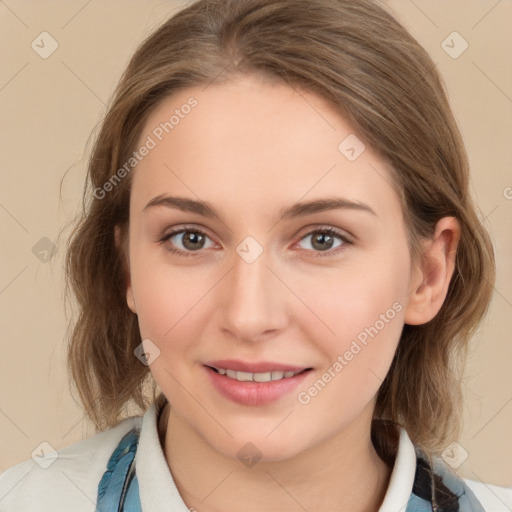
[[453, 491], [492, 497], [63, 480]]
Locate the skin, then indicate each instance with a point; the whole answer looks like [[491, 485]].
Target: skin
[[251, 148]]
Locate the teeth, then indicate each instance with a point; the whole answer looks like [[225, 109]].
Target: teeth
[[262, 377], [244, 376], [231, 374], [256, 377]]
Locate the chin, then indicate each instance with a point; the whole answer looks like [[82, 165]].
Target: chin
[[256, 446]]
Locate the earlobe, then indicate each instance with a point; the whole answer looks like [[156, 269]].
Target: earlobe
[[129, 299], [429, 284], [122, 251]]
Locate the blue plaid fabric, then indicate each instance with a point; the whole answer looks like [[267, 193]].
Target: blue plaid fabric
[[118, 489], [435, 489]]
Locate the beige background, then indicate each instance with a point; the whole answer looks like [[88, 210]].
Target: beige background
[[49, 108]]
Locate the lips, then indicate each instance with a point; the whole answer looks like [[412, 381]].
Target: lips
[[263, 367], [254, 383]]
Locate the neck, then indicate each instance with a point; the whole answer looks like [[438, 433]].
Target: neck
[[317, 479]]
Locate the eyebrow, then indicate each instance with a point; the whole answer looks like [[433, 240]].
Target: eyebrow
[[300, 209]]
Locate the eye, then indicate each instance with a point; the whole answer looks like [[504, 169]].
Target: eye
[[322, 240], [191, 240]]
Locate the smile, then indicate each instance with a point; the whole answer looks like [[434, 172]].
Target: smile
[[254, 384], [256, 377]]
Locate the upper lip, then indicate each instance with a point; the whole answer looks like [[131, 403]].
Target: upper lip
[[262, 367]]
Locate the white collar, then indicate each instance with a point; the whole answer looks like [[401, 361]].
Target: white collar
[[402, 476], [159, 493]]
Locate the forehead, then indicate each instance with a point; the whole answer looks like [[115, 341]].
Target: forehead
[[256, 143]]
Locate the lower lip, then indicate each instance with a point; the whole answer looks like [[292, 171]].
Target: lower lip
[[254, 393]]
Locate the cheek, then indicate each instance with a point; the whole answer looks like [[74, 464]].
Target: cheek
[[363, 307], [336, 304], [357, 358], [173, 307], [157, 302], [352, 300]]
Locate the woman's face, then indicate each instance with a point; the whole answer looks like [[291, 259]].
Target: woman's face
[[251, 285]]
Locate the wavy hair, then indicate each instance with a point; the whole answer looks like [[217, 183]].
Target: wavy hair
[[357, 56]]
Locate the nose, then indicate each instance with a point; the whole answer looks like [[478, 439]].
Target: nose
[[252, 300]]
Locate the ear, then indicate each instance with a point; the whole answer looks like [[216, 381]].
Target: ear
[[431, 281], [122, 249]]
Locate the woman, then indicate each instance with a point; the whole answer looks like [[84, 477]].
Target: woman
[[278, 234]]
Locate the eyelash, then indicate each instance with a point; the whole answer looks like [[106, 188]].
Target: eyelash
[[330, 231]]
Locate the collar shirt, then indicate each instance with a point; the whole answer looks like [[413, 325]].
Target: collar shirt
[[126, 464]]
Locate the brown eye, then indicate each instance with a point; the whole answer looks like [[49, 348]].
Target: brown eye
[[323, 240], [185, 242]]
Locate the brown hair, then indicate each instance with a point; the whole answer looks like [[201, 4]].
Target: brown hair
[[356, 55]]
